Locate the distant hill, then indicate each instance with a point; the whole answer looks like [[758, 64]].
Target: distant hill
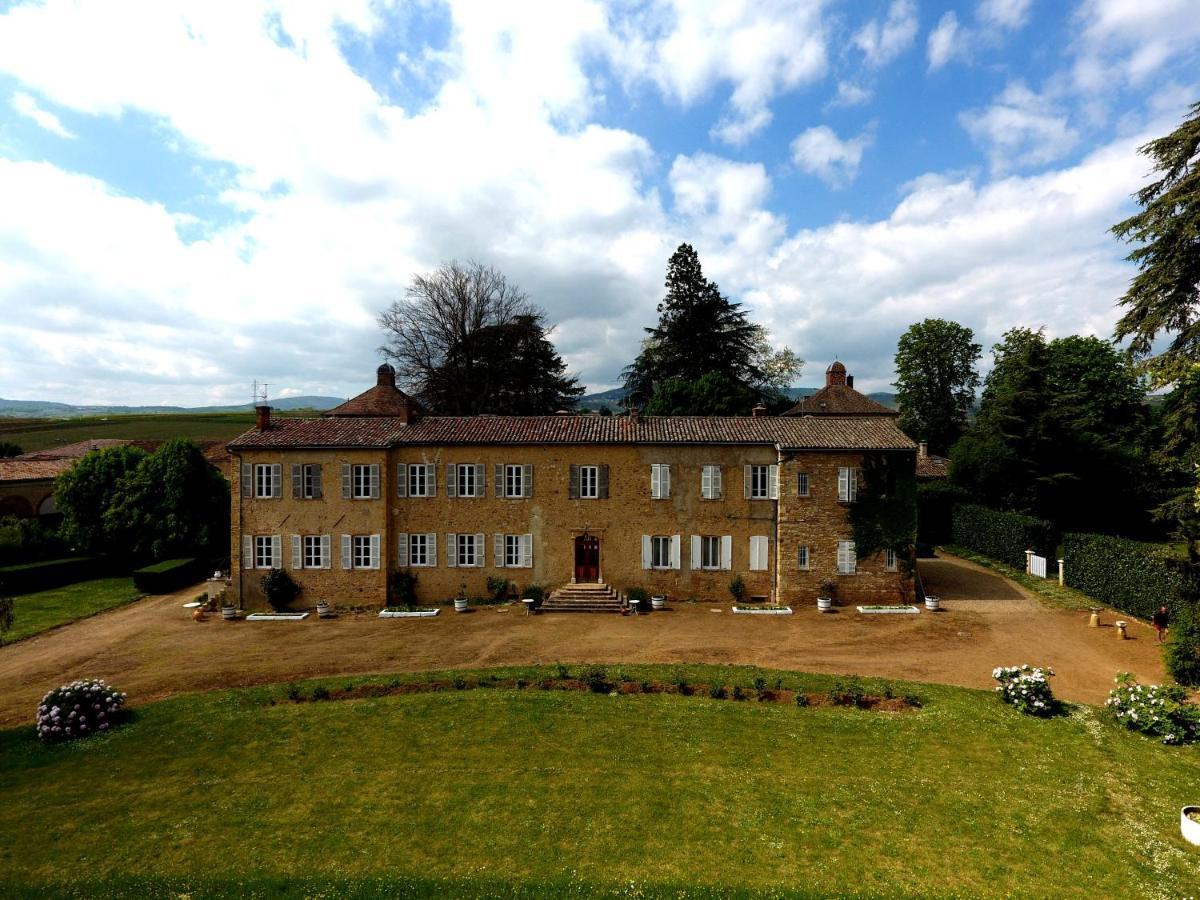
[[46, 409], [613, 399]]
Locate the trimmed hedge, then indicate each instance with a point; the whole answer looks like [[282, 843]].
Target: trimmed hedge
[[1133, 577], [52, 573], [168, 575], [1004, 536]]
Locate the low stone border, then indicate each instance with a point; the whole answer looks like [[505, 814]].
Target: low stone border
[[886, 610], [408, 613], [277, 617], [762, 610]]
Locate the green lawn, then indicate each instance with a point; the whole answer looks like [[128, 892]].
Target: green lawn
[[529, 793], [42, 610]]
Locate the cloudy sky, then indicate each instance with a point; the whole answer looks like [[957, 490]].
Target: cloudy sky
[[196, 195]]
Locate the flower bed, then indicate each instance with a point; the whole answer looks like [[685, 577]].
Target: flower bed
[[763, 610], [893, 608], [1027, 688], [1157, 710], [277, 617], [403, 612], [78, 709]]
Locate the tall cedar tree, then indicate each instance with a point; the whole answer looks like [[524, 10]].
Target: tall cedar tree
[[699, 331], [466, 341], [936, 381]]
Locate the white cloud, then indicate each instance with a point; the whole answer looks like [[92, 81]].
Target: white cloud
[[28, 107], [946, 42], [1020, 128], [1132, 40], [1009, 14], [819, 151], [883, 41], [850, 94]]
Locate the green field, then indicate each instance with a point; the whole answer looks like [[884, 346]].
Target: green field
[[43, 610], [529, 793]]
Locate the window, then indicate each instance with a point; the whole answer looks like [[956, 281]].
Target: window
[[710, 482], [310, 482], [467, 550], [264, 556], [360, 481], [762, 482], [847, 484], [362, 551], [710, 551], [264, 481], [847, 562], [889, 560], [802, 484], [418, 481], [589, 482], [418, 549], [512, 551], [518, 481], [313, 557], [759, 553], [660, 551], [465, 480], [802, 558], [660, 482]]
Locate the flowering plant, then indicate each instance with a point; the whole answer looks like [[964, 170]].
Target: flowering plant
[[1026, 687], [78, 709], [1159, 710]]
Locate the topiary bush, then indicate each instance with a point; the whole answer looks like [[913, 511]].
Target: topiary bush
[[1004, 536], [1133, 577], [78, 709]]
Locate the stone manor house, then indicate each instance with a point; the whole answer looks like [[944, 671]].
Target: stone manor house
[[674, 504]]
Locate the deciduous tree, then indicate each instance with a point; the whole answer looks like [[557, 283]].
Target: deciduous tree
[[936, 381], [84, 493]]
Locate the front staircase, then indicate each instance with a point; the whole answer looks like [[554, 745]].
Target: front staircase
[[582, 598]]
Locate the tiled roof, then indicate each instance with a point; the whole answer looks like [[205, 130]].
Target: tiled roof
[[380, 400], [839, 400], [932, 466], [76, 450], [22, 469], [53, 461], [791, 433]]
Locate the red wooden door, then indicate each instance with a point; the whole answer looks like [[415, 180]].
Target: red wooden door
[[587, 560]]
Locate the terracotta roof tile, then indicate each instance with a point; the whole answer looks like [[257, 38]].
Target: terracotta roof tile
[[932, 466], [380, 400], [839, 400], [22, 469]]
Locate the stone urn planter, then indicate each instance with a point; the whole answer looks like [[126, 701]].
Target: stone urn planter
[[460, 604], [658, 602], [824, 604], [228, 613], [324, 610], [933, 604], [1190, 827]]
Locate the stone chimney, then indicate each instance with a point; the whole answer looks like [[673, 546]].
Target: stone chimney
[[923, 449], [635, 415], [759, 411], [262, 417], [849, 381]]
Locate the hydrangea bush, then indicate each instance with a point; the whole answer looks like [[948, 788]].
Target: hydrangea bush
[[78, 709], [1026, 687], [1158, 710]]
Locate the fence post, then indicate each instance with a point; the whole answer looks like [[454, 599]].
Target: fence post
[[1062, 577], [1028, 562]]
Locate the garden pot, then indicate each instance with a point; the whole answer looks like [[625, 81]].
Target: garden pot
[[1189, 826], [324, 610], [933, 603], [824, 604], [658, 602], [460, 604], [229, 613]]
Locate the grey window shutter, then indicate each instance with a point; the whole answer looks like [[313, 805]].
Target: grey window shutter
[[748, 475], [297, 481], [498, 471], [431, 548], [527, 551], [247, 552], [401, 480], [276, 551], [603, 479], [451, 480], [498, 550], [297, 552], [347, 483], [316, 479], [480, 482], [247, 480], [697, 553], [716, 482], [647, 557], [527, 480], [374, 551], [374, 481], [573, 483], [326, 555], [431, 480], [452, 550], [347, 552], [401, 550], [276, 480], [479, 551]]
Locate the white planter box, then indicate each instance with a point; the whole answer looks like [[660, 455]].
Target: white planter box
[[751, 611], [888, 610], [658, 602], [824, 604], [1188, 826], [933, 603], [408, 613], [276, 617]]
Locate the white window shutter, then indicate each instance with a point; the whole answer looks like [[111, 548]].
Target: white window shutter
[[527, 551], [374, 551], [276, 552], [430, 480], [452, 550], [498, 550], [499, 482], [716, 480], [646, 557], [297, 481], [748, 479], [479, 550], [325, 552], [347, 552], [758, 553], [247, 480], [727, 552], [843, 484], [753, 554], [431, 548], [773, 482], [654, 489], [706, 490], [277, 481], [347, 482], [665, 479], [247, 552], [374, 481], [480, 482], [527, 479], [401, 550], [297, 552], [697, 553], [853, 484], [402, 480], [675, 551], [451, 479]]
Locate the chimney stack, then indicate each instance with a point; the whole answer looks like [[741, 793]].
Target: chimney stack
[[923, 449], [635, 415], [850, 381], [759, 411], [262, 417]]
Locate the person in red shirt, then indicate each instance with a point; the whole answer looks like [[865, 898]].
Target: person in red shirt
[[1161, 620]]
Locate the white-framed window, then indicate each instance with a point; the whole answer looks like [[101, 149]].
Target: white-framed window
[[802, 484], [360, 481], [759, 553], [310, 482], [802, 558], [418, 549], [512, 551], [660, 481], [312, 547], [889, 559], [589, 482], [517, 479], [847, 560], [362, 551], [710, 482], [464, 550], [416, 480], [267, 480], [847, 484], [264, 555], [762, 482], [710, 551], [465, 480], [660, 551]]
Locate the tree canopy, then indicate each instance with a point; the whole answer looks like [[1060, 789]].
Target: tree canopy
[[84, 493], [936, 381], [465, 340]]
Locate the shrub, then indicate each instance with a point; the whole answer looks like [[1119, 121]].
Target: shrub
[[1182, 652], [737, 588], [168, 575], [801, 699], [1004, 536], [935, 511], [40, 576], [280, 588], [647, 687], [682, 685], [1128, 575], [460, 683], [320, 692], [522, 684], [498, 589], [1160, 711], [913, 700], [1026, 687], [637, 597], [596, 678], [293, 691], [78, 709], [535, 592], [738, 693], [404, 589], [563, 672], [760, 684], [717, 691]]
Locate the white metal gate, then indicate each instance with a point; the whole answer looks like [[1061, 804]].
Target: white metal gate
[[1037, 565]]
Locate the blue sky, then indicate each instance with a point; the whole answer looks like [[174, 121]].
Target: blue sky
[[199, 195]]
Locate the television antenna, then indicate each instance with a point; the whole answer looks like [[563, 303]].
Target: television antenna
[[258, 393]]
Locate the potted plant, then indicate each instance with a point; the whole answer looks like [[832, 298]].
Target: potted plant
[[825, 598], [324, 610], [228, 611], [1189, 824], [658, 601], [460, 602], [933, 604]]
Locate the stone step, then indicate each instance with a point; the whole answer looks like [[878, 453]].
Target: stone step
[[583, 598]]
